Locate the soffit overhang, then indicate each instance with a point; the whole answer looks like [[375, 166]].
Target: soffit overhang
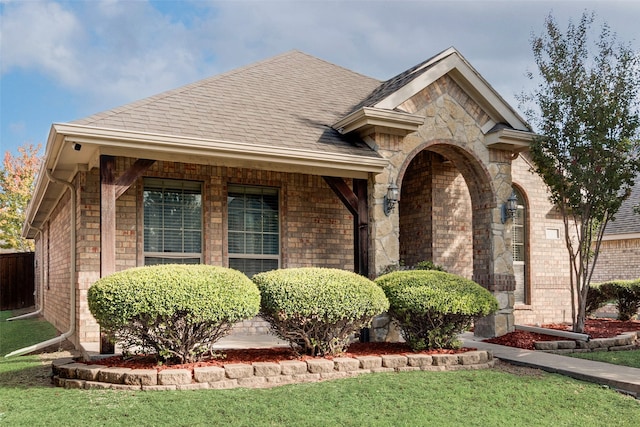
[[509, 140], [367, 120], [63, 161]]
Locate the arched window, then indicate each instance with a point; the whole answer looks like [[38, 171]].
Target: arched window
[[519, 245]]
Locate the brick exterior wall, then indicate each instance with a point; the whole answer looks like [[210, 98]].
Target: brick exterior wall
[[547, 267], [618, 260], [415, 207], [452, 230], [316, 230], [55, 260], [435, 215]]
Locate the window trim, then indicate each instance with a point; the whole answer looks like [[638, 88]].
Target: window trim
[[250, 256], [524, 205]]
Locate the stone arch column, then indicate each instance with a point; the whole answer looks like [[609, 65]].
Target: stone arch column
[[488, 178]]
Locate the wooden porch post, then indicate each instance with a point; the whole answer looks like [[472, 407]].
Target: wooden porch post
[[110, 189], [107, 216], [356, 202]]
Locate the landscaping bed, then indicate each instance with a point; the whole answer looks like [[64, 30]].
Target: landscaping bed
[[272, 354], [595, 328], [259, 368]]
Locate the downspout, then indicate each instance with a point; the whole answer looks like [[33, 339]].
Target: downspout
[[72, 282], [40, 294]]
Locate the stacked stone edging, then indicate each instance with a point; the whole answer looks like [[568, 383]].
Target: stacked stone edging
[[70, 374], [621, 342]]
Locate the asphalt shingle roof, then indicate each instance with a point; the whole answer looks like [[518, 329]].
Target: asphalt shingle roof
[[626, 220], [290, 101], [395, 83]]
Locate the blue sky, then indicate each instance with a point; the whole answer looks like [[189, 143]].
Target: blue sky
[[64, 60]]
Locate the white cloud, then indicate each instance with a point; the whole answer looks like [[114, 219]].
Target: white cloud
[[109, 52], [40, 35]]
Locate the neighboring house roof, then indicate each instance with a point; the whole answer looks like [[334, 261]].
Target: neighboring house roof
[[627, 222]]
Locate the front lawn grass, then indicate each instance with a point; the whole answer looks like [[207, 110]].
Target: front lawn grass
[[17, 334], [625, 358], [510, 397]]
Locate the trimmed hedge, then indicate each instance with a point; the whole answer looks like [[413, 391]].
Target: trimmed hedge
[[596, 298], [627, 296], [433, 307], [178, 311], [318, 309]]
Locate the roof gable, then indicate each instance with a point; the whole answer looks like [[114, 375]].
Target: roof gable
[[395, 91]]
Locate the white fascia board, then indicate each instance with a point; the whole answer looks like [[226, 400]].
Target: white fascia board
[[626, 236], [141, 142], [468, 78]]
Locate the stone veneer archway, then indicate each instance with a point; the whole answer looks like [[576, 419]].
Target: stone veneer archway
[[453, 128]]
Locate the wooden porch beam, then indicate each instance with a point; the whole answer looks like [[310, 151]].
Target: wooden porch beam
[[130, 175], [344, 193], [356, 201]]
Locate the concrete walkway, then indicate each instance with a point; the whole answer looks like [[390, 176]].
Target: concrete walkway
[[617, 377], [621, 378]]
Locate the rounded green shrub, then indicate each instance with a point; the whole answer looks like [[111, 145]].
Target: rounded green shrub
[[433, 307], [177, 311], [627, 296], [596, 298], [318, 309]]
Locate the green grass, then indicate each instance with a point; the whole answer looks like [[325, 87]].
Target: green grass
[[22, 333], [625, 358], [500, 397]]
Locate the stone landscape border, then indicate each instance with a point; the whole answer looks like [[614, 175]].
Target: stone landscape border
[[69, 373], [619, 343]]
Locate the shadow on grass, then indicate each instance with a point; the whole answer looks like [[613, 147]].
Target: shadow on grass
[[20, 373]]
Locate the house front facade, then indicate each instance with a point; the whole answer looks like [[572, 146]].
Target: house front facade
[[295, 162]]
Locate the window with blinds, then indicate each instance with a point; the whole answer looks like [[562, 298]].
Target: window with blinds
[[518, 231], [172, 221], [519, 248], [253, 229]]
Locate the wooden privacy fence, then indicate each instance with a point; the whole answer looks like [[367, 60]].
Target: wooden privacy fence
[[16, 280]]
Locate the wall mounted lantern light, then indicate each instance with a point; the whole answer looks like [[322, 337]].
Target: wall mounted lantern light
[[510, 208], [391, 198]]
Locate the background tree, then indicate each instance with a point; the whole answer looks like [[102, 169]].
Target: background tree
[[17, 179], [586, 108]]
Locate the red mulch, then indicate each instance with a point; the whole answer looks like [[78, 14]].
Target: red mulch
[[596, 328], [600, 328], [274, 354]]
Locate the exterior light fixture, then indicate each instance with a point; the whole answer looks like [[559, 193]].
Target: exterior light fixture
[[391, 198], [510, 208], [77, 146]]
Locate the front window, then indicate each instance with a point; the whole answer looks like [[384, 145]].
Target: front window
[[253, 229], [172, 222]]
